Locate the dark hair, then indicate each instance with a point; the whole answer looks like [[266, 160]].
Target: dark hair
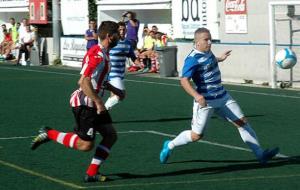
[[107, 27], [92, 20], [11, 18], [122, 24], [133, 14]]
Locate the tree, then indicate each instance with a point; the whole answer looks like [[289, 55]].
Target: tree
[[92, 9]]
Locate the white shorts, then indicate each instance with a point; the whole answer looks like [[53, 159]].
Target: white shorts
[[118, 83], [225, 107]]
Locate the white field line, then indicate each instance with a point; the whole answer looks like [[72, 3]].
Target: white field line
[[166, 135], [46, 177], [215, 180], [208, 142], [13, 138], [158, 83]]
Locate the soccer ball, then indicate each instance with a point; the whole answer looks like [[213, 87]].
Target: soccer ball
[[285, 58]]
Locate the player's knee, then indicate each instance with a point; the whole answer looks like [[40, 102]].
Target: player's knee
[[122, 96], [240, 122], [85, 146], [114, 138], [196, 137], [110, 138]]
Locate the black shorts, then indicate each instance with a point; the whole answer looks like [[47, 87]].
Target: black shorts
[[88, 122]]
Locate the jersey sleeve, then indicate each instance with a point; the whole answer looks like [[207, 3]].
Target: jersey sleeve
[[92, 59], [189, 67]]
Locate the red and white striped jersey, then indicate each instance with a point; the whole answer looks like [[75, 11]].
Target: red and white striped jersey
[[95, 65]]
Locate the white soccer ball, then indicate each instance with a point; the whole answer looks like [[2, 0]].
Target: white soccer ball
[[286, 58]]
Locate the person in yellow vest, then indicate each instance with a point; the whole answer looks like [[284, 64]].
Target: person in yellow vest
[[14, 30]]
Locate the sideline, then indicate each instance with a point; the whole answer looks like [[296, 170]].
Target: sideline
[[31, 172], [166, 135], [149, 82]]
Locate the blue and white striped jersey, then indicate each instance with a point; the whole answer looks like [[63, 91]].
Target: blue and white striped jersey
[[204, 70], [118, 56]]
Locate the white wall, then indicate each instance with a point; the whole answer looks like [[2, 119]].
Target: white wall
[[4, 16]]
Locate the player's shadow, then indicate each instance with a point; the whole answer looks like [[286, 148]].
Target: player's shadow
[[238, 165], [172, 119]]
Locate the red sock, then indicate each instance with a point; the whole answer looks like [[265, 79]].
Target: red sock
[[94, 167], [67, 139], [100, 156]]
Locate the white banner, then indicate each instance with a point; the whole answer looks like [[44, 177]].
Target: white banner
[[236, 16], [74, 16], [188, 15], [72, 51], [14, 3]]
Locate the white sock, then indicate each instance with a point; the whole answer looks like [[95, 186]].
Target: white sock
[[111, 101], [249, 137], [183, 138]]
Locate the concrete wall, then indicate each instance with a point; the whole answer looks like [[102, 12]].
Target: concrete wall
[[250, 52], [239, 65], [4, 16]]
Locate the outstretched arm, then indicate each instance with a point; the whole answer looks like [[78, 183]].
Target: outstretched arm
[[224, 56]]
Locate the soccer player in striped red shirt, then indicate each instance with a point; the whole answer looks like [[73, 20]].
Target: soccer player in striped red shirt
[[88, 108]]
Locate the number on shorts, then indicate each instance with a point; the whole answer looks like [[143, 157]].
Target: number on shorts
[[90, 132]]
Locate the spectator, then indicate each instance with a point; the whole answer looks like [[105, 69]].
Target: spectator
[[140, 44], [136, 67], [154, 29], [22, 28], [158, 40], [146, 55], [3, 26], [91, 34], [6, 44], [14, 30], [22, 31], [26, 42], [132, 26]]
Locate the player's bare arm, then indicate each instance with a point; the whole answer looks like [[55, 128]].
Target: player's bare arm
[[86, 86], [224, 56], [187, 86]]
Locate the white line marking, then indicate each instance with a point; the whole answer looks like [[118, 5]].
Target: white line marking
[[216, 144], [159, 83], [166, 135], [49, 178], [13, 138], [149, 82], [197, 181], [265, 94], [39, 71]]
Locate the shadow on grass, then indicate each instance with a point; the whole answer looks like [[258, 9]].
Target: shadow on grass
[[171, 119], [253, 165]]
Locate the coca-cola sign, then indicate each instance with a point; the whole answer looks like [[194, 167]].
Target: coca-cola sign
[[235, 7]]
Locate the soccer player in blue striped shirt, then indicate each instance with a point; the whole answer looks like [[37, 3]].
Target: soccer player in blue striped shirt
[[210, 97], [118, 56]]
